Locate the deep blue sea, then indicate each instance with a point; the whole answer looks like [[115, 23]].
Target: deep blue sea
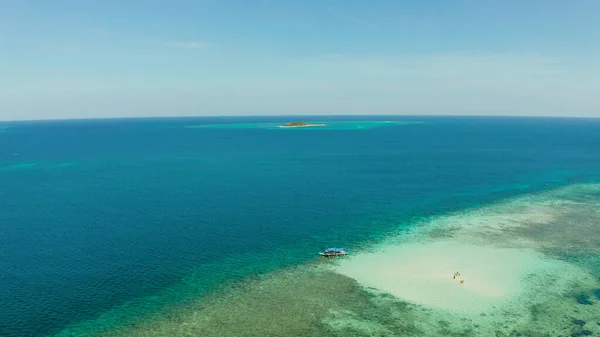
[[98, 214]]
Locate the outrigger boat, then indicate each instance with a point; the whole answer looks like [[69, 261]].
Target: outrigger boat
[[329, 252]]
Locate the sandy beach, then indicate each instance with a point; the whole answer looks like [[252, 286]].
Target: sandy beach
[[510, 256], [423, 273], [516, 283]]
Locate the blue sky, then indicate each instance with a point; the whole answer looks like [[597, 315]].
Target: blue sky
[[127, 58]]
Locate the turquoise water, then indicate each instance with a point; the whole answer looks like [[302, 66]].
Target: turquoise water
[[105, 223]]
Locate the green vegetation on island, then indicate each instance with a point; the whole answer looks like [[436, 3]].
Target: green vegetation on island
[[299, 125]]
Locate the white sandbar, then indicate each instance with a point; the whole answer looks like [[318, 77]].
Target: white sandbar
[[423, 273]]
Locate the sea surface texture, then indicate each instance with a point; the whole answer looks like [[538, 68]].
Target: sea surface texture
[[212, 226]]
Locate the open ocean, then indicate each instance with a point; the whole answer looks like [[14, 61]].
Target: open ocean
[[105, 224]]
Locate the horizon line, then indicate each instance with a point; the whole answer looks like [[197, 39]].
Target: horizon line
[[276, 115]]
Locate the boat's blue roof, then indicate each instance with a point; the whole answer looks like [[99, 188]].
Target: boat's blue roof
[[337, 250]]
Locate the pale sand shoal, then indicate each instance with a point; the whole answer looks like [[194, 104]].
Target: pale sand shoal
[[423, 273]]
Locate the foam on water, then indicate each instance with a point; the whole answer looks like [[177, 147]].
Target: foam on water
[[552, 290]]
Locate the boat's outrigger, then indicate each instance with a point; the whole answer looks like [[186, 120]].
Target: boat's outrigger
[[329, 252]]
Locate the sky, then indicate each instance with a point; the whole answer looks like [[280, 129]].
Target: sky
[[133, 58]]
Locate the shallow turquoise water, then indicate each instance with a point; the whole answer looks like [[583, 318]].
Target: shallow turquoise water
[[135, 216]]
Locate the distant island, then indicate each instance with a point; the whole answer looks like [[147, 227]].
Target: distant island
[[300, 125]]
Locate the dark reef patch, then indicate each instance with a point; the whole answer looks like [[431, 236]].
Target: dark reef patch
[[582, 333], [584, 298]]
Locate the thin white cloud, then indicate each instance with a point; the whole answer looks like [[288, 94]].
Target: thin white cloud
[[460, 83], [186, 44]]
